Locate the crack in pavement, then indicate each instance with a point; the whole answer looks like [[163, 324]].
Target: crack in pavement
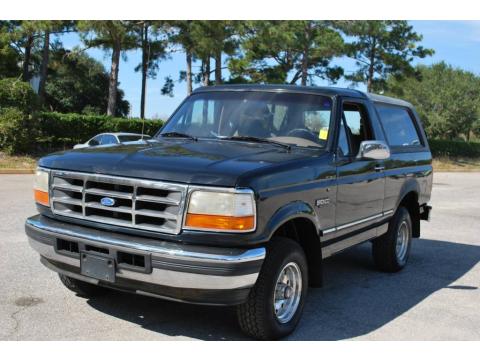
[[24, 303]]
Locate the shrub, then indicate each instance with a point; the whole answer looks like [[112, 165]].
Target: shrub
[[61, 131], [454, 148], [17, 94], [17, 131]]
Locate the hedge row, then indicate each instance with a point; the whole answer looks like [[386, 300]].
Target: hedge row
[[56, 130], [22, 133], [454, 148]]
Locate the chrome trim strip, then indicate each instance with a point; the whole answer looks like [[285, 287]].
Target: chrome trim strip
[[161, 277], [235, 256], [357, 222], [329, 230]]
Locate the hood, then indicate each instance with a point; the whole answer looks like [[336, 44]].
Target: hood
[[205, 162]]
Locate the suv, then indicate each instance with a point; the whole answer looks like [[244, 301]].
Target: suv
[[238, 199]]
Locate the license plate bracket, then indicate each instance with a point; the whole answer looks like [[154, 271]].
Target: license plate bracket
[[97, 266]]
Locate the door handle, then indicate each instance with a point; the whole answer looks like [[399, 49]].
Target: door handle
[[379, 168]]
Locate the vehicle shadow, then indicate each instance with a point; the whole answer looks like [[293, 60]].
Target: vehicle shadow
[[355, 300]]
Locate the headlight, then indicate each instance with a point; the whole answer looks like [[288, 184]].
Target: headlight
[[229, 211], [40, 187]]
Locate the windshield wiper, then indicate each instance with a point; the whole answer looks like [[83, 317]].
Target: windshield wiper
[[255, 139], [178, 135]]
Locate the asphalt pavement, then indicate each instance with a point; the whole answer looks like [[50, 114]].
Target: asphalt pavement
[[436, 297]]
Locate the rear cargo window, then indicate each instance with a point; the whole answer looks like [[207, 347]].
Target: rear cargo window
[[398, 125]]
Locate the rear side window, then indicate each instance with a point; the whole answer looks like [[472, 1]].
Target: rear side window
[[108, 139], [398, 125]]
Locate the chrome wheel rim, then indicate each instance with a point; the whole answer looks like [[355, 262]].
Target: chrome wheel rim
[[287, 293], [402, 241]]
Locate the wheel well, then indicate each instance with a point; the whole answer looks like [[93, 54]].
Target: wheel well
[[305, 233], [410, 202]]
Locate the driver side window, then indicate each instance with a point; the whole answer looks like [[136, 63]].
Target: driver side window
[[354, 128]]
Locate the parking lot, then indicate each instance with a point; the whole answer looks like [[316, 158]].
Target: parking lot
[[437, 297]]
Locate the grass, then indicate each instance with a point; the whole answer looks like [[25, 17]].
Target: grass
[[456, 164], [10, 162]]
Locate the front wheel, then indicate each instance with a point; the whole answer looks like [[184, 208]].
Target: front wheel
[[81, 288], [275, 304]]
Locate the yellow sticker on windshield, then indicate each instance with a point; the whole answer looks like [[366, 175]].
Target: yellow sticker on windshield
[[323, 134]]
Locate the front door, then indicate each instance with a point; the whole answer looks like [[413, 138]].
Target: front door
[[361, 183]]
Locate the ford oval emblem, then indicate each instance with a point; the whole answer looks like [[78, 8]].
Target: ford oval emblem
[[106, 201]]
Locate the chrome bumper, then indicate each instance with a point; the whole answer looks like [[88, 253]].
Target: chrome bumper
[[179, 272]]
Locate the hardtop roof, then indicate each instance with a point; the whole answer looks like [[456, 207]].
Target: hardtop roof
[[324, 90]]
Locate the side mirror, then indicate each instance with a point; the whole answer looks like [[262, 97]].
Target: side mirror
[[374, 150]]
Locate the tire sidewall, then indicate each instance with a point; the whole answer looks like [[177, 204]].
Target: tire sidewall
[[278, 329], [403, 215]]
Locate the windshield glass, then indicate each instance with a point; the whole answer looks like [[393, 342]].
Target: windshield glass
[[298, 119]]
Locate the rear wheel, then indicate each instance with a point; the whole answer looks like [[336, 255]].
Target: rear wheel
[[81, 288], [391, 251], [275, 304]]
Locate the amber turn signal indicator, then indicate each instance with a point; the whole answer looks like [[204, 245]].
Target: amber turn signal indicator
[[220, 222], [41, 197]]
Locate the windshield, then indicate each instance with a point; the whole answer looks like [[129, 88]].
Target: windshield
[[297, 119]]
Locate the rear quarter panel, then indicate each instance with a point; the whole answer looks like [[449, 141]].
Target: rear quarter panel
[[405, 172]]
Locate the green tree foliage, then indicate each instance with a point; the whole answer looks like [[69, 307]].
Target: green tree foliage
[[24, 36], [151, 39], [79, 84], [272, 50], [202, 40], [112, 35], [17, 125], [16, 93], [212, 39], [382, 48], [447, 99], [48, 28], [15, 131], [9, 57], [180, 33]]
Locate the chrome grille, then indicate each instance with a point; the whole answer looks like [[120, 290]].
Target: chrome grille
[[141, 204]]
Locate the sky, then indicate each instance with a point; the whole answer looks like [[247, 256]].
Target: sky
[[455, 42]]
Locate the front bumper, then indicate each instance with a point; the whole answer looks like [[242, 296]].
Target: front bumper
[[188, 273]]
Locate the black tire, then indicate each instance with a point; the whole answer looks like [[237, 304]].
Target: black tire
[[384, 249], [257, 316], [81, 288]]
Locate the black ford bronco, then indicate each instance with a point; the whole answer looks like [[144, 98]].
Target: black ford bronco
[[238, 199]]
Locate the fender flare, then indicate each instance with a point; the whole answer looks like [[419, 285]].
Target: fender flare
[[411, 185], [293, 210]]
